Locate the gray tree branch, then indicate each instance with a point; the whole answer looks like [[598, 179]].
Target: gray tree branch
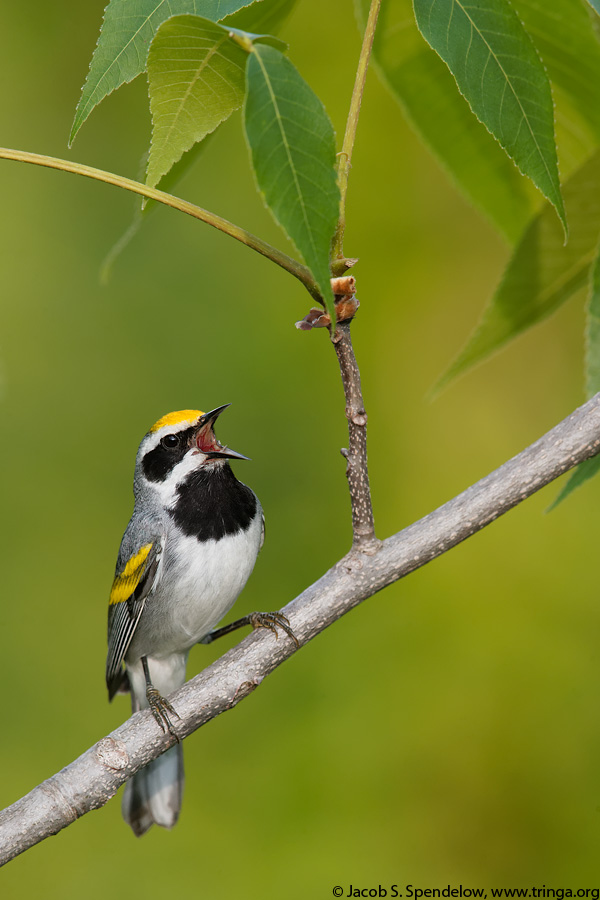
[[92, 779]]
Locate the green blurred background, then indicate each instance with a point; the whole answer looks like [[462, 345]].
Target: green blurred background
[[447, 731]]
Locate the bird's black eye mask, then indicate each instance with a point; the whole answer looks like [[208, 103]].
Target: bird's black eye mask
[[170, 450]]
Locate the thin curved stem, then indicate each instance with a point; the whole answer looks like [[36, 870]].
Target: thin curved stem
[[295, 268], [345, 156]]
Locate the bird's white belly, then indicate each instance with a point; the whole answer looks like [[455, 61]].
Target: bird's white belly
[[197, 585]]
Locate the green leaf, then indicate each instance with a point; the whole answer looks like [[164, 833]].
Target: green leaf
[[575, 138], [595, 4], [590, 467], [543, 272], [126, 35], [579, 476], [196, 79], [569, 49], [266, 17], [497, 69], [428, 95], [565, 37], [292, 146], [592, 348]]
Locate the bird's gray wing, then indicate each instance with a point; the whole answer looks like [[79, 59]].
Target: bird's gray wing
[[134, 579]]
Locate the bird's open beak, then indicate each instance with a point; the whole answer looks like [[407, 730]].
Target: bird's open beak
[[206, 440]]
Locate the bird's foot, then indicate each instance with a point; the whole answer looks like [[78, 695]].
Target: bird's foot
[[272, 621], [162, 710]]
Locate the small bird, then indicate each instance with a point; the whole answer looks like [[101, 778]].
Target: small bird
[[186, 554]]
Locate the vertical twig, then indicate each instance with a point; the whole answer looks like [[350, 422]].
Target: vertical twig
[[345, 156], [363, 529], [357, 472]]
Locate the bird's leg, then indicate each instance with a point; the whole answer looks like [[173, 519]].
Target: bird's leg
[[159, 705], [272, 621]]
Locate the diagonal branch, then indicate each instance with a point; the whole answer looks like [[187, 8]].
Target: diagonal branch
[[92, 779]]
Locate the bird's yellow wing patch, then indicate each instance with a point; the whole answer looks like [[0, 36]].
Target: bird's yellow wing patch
[[125, 584], [176, 418]]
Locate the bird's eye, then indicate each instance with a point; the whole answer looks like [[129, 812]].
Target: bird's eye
[[170, 441]]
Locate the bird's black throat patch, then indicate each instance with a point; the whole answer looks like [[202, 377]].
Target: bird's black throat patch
[[211, 503]]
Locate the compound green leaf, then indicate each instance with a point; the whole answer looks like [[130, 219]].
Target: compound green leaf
[[499, 72], [125, 37], [264, 16], [292, 146], [543, 272], [196, 79], [428, 95]]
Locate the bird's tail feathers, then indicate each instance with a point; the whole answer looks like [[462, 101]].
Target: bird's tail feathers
[[154, 794]]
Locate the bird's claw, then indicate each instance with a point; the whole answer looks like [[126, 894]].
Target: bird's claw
[[273, 621], [161, 710]]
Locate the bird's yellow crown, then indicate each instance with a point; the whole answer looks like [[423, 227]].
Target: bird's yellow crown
[[176, 418]]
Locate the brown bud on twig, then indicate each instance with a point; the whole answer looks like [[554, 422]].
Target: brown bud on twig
[[344, 285], [314, 318], [346, 305], [345, 308]]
